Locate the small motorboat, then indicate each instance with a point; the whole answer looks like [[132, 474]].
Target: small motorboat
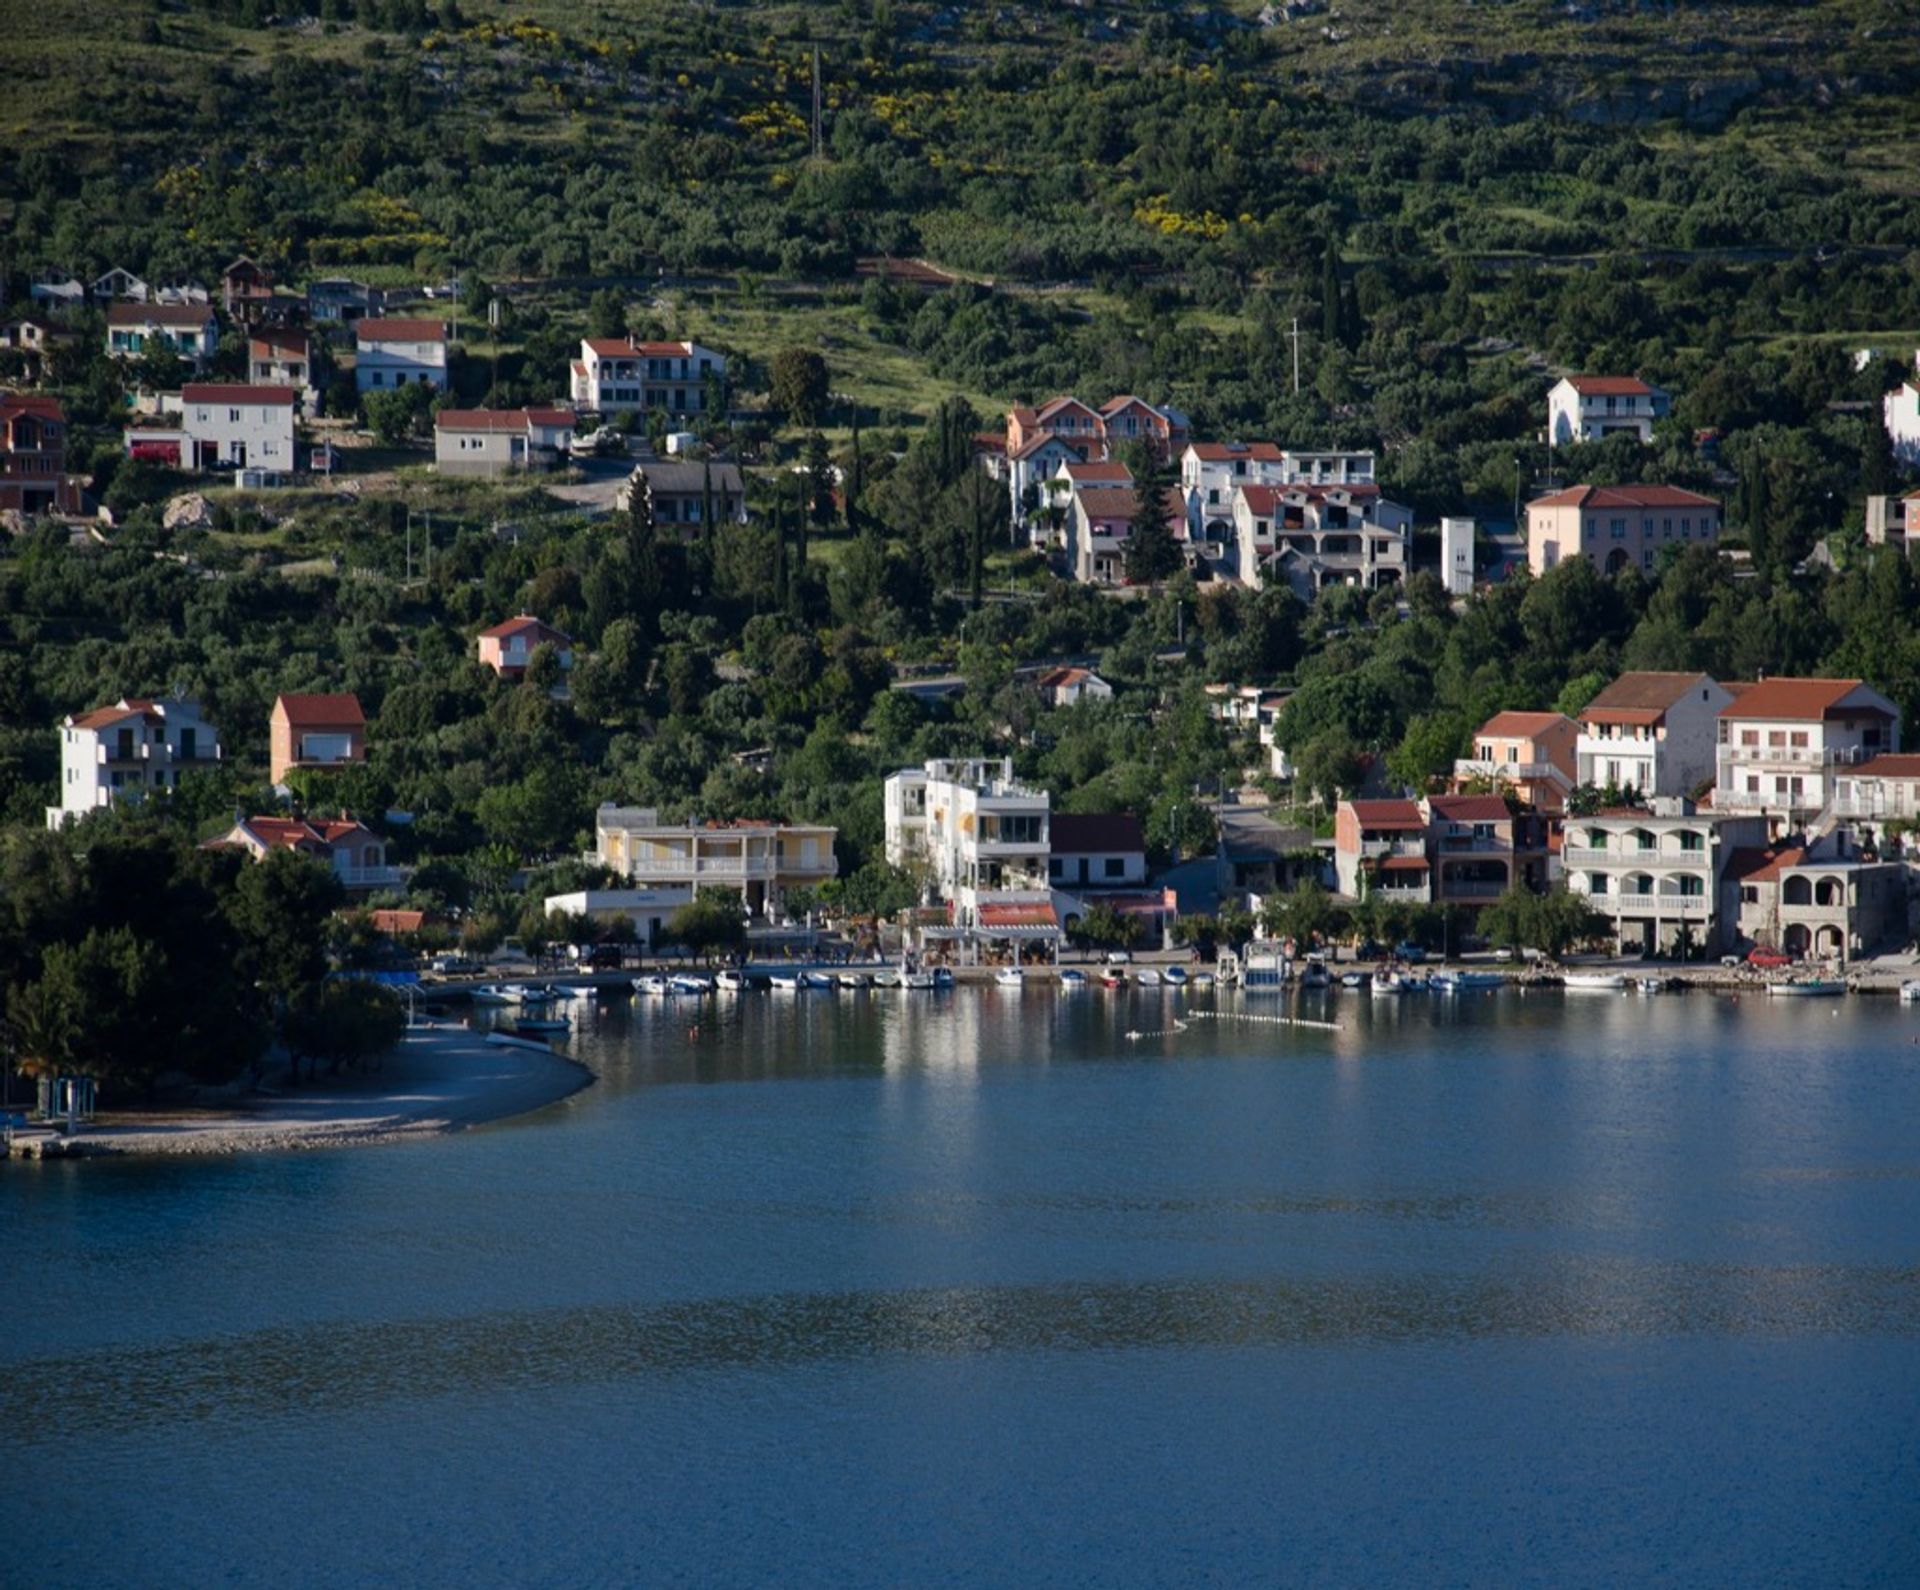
[[818, 981], [1112, 980], [1388, 982], [1651, 985], [1010, 977], [919, 981], [1148, 977], [1353, 979], [1314, 974], [493, 994], [1468, 980], [730, 981], [1069, 978], [1808, 988], [1444, 982], [1174, 975], [1593, 982], [538, 1024], [528, 993], [886, 977], [942, 977], [690, 983], [1200, 980], [786, 982], [851, 982], [1910, 993], [653, 984]]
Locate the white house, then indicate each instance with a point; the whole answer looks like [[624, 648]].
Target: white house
[[500, 441], [119, 752], [1316, 536], [984, 840], [1901, 410], [135, 330], [1652, 733], [1585, 408], [1096, 850], [399, 352], [619, 374], [761, 861], [220, 423], [1660, 872], [1068, 687], [1783, 741]]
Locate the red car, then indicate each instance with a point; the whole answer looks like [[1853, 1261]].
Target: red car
[[1768, 960]]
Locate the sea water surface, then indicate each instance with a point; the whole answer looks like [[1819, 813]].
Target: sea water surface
[[973, 1288]]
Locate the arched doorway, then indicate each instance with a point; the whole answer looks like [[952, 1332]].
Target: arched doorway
[[1830, 940], [1796, 939], [1617, 560]]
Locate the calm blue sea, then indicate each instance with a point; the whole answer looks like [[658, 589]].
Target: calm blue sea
[[970, 1289]]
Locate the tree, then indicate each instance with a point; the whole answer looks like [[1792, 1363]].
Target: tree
[[799, 385], [1428, 749], [710, 923], [1552, 923], [1330, 328], [1151, 553], [819, 479], [1331, 766], [1104, 928], [1306, 913], [281, 906], [344, 1023], [1879, 475]]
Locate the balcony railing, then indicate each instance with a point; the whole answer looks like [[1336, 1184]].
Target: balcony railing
[[1735, 756], [1473, 844], [371, 877], [1472, 888], [726, 868], [1519, 772], [1372, 848], [1684, 905], [1631, 856]]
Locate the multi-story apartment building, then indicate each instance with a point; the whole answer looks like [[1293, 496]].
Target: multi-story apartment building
[[1316, 536], [399, 352], [135, 330], [1586, 408], [1823, 898], [120, 752], [1534, 754], [1661, 873], [759, 861], [1782, 742], [1617, 527], [616, 375], [1445, 849], [1211, 472], [985, 842], [1882, 789], [33, 456], [1651, 733], [315, 731], [1064, 429]]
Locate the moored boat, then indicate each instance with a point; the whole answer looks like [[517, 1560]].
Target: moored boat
[[730, 981], [1910, 993], [1200, 980], [1593, 982], [1175, 975], [652, 983], [1148, 977], [1069, 978], [818, 980], [1315, 974], [1010, 977], [786, 982], [690, 983], [493, 994], [1353, 979], [1808, 988]]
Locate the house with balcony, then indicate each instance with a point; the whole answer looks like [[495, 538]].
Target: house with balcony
[[219, 425], [1823, 898], [984, 842], [1480, 848], [1316, 536], [356, 855], [1210, 472], [620, 375], [315, 731], [1661, 873], [1534, 754], [1064, 429], [399, 352], [1617, 527], [1885, 788], [506, 648], [281, 356], [1651, 733], [33, 457], [1380, 848], [121, 752], [758, 860], [1782, 743], [1894, 522], [500, 441], [136, 330], [246, 288], [1588, 408]]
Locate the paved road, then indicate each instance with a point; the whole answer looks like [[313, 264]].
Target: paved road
[[594, 495]]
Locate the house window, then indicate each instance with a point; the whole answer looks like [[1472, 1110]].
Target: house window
[[1617, 528], [1749, 894], [1798, 739], [1115, 867]]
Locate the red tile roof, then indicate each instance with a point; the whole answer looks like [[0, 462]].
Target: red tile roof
[[41, 408], [1091, 833], [1518, 725], [1469, 808], [1888, 765], [277, 340], [1609, 385], [126, 707], [1096, 469], [321, 711], [237, 392], [414, 329], [1403, 864], [1810, 699], [1109, 502], [627, 348], [1748, 865], [515, 626], [191, 316], [1390, 814], [1021, 913], [1228, 452], [1624, 497]]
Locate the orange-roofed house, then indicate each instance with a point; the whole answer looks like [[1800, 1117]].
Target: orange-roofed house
[[1534, 754], [33, 456], [399, 351], [618, 375], [280, 356], [1617, 527], [120, 752], [1885, 787], [357, 855], [1463, 850], [1068, 687], [1380, 847], [1651, 733], [322, 731], [1588, 408], [500, 441], [1316, 536], [1782, 742], [506, 647]]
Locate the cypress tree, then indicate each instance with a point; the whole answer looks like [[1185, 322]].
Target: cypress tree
[[706, 511], [977, 547], [1330, 291], [855, 478]]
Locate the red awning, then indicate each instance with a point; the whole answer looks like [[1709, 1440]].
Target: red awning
[[155, 452], [1403, 864], [1020, 915]]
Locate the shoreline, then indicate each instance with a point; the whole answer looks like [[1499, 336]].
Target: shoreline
[[436, 1081]]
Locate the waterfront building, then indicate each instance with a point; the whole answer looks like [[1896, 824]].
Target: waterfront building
[[1464, 850], [1821, 898], [1782, 742], [1534, 754], [1661, 873], [120, 752], [1651, 733], [758, 860], [356, 855]]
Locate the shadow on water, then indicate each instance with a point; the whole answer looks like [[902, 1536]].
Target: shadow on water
[[334, 1367]]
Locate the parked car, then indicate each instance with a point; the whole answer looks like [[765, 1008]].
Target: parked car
[[1413, 954], [453, 965], [1733, 963], [1768, 960], [1504, 953], [1118, 957]]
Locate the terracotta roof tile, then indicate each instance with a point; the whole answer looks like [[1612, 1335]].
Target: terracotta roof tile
[[1810, 699]]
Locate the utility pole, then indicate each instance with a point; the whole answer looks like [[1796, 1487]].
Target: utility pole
[[1295, 335], [409, 544], [493, 325], [819, 140]]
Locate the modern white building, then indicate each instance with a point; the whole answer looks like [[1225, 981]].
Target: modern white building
[[1456, 556], [616, 375], [400, 352], [136, 330], [759, 861], [122, 751], [1316, 536], [500, 441], [984, 840], [220, 424], [1782, 742], [1659, 870], [1652, 733], [1586, 408]]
